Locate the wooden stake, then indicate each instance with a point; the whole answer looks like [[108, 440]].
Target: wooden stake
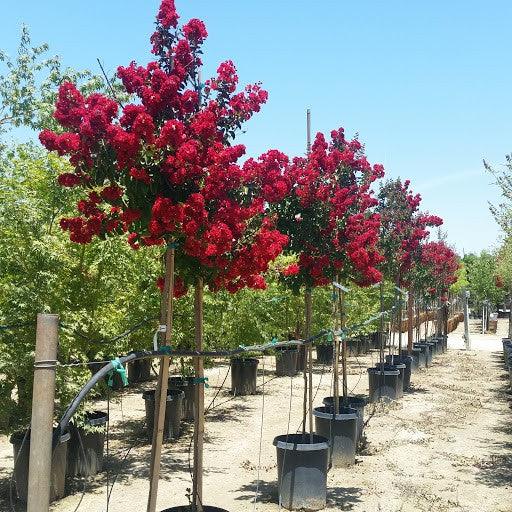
[[381, 290], [410, 301], [43, 395], [336, 344], [166, 310], [341, 301], [199, 399], [308, 299]]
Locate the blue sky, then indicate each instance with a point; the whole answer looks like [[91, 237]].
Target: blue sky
[[425, 84]]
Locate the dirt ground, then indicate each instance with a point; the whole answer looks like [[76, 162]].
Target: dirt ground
[[446, 446]]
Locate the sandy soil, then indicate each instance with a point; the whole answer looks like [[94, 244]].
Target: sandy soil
[[446, 446]]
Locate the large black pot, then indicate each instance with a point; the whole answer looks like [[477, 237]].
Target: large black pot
[[243, 376], [407, 361], [21, 458], [396, 366], [185, 384], [286, 361], [302, 471], [324, 354], [357, 402], [139, 370], [341, 430], [383, 383], [173, 412], [85, 450]]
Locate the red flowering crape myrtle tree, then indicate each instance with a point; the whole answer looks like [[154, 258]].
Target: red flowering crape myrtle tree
[[438, 271], [329, 219], [162, 171], [403, 228]]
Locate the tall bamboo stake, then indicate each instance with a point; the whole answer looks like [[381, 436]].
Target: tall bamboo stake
[[336, 345], [199, 399], [410, 301], [309, 360], [166, 309], [341, 302], [381, 334]]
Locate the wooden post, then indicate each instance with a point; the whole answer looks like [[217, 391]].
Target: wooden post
[[43, 395], [166, 310], [410, 320], [466, 320], [381, 334], [336, 345], [199, 399]]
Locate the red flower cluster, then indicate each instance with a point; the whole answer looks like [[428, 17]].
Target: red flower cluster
[[403, 228], [439, 264], [162, 168], [329, 214]]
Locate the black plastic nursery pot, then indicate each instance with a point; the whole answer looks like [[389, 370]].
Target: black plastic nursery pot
[[395, 366], [383, 383], [85, 449], [418, 358], [403, 359], [173, 412], [21, 458], [357, 402], [341, 430], [286, 361], [243, 376], [302, 471], [301, 358], [325, 354], [185, 384], [352, 348], [427, 351], [188, 508], [139, 370]]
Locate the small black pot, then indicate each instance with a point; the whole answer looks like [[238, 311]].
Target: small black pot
[[139, 370], [302, 471], [427, 351], [185, 384], [85, 450], [341, 430], [403, 359], [243, 376], [286, 361], [352, 347], [324, 354], [396, 366], [21, 458], [383, 383], [173, 412], [357, 402], [418, 358]]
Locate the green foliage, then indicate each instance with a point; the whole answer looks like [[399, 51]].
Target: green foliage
[[481, 273]]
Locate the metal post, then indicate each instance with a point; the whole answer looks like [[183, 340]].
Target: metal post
[[467, 341], [43, 395]]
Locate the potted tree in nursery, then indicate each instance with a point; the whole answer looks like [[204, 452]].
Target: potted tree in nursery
[[163, 171]]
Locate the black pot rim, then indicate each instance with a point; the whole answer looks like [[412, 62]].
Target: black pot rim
[[359, 400], [398, 366], [300, 443], [206, 508], [96, 418], [172, 394], [249, 361], [345, 414], [383, 372]]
